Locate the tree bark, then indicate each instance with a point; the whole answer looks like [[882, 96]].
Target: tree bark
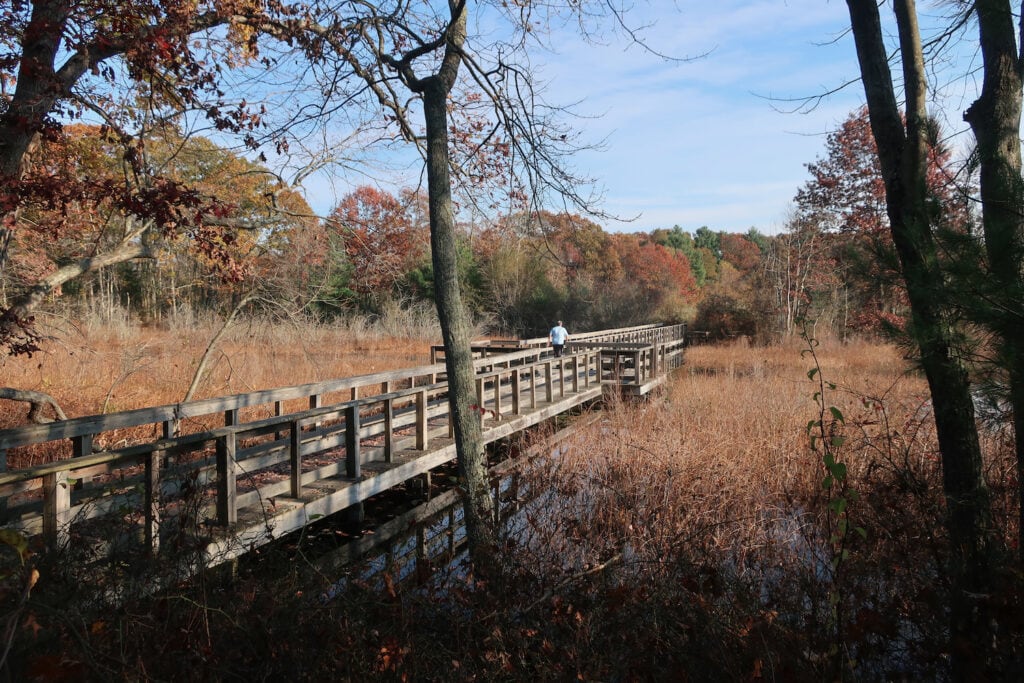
[[455, 325], [995, 118], [32, 101], [903, 155]]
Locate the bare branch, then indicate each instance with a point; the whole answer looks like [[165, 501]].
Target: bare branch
[[38, 400]]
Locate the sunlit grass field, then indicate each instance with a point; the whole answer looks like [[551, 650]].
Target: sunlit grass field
[[105, 369]]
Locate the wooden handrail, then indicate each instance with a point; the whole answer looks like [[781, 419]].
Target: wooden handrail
[[92, 425], [511, 382]]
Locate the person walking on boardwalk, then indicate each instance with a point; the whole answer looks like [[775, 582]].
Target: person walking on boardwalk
[[558, 336]]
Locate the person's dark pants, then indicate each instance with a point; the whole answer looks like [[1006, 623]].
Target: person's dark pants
[[558, 349]]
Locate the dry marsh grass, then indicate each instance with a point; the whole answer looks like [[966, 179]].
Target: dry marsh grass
[[704, 509], [724, 454], [682, 538], [102, 369]]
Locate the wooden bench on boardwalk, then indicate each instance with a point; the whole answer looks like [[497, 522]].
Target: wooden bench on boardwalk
[[249, 468]]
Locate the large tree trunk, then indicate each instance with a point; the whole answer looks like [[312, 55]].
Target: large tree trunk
[[37, 90], [995, 119], [455, 326], [903, 154]]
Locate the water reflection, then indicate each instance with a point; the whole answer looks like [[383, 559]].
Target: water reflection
[[423, 543]]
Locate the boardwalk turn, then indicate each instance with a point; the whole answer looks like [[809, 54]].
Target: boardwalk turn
[[282, 458]]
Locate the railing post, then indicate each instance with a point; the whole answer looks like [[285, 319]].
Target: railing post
[[231, 417], [497, 395], [548, 389], [353, 467], [561, 377], [575, 364], [516, 408], [81, 445], [295, 457], [389, 429], [227, 493], [152, 501], [56, 508], [533, 385], [422, 435], [315, 401], [278, 412]]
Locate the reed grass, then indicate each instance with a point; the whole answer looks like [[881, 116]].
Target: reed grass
[[98, 369], [683, 537], [705, 508]]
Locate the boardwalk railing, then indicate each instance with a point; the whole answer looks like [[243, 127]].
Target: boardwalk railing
[[248, 468], [642, 360], [640, 334]]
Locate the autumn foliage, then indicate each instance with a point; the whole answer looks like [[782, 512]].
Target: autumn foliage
[[382, 239]]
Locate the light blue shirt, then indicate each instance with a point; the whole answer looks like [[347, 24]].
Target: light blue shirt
[[558, 334]]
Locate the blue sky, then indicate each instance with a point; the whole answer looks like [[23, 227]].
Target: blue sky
[[720, 140], [704, 142]]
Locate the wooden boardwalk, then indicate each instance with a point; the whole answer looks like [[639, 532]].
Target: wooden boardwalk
[[233, 473]]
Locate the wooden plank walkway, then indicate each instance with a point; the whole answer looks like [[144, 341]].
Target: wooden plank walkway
[[279, 459]]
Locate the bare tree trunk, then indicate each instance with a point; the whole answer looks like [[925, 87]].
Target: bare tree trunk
[[455, 327], [903, 155], [36, 93], [995, 119]]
